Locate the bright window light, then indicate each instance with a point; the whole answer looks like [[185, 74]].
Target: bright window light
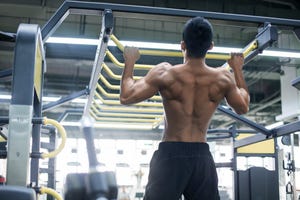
[[167, 46], [64, 40], [48, 99], [224, 50], [5, 97], [123, 126], [53, 99], [111, 126], [284, 54], [149, 45], [276, 124]]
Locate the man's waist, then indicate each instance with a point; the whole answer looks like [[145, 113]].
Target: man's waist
[[184, 148]]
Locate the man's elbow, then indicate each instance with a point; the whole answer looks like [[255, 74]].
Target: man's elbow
[[242, 109], [124, 101], [244, 106], [127, 100]]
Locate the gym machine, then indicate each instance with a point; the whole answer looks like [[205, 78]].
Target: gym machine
[[26, 106]]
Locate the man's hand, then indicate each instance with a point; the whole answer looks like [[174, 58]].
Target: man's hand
[[236, 61], [131, 54]]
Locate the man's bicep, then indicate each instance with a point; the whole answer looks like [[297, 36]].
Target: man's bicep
[[144, 89], [141, 89]]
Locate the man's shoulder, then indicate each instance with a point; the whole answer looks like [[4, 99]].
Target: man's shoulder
[[222, 71], [221, 74], [164, 65]]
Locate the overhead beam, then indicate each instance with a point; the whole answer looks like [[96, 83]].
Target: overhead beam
[[64, 10]]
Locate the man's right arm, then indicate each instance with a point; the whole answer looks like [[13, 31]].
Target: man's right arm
[[238, 95]]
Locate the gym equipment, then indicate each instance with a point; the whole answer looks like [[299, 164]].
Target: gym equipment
[[63, 135], [24, 121], [290, 165], [264, 39], [296, 83], [26, 97], [9, 192], [257, 183], [95, 184]]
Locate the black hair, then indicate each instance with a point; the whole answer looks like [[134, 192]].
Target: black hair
[[197, 35]]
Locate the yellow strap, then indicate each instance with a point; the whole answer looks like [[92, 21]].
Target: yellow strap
[[61, 131], [50, 191]]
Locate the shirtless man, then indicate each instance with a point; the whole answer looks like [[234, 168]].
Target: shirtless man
[[191, 93]]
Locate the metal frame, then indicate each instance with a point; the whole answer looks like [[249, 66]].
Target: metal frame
[[5, 73], [5, 36], [235, 155], [69, 6], [50, 146], [65, 99], [29, 64], [67, 112], [273, 133], [106, 30]]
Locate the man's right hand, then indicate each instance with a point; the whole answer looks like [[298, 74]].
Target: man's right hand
[[236, 61], [131, 54]]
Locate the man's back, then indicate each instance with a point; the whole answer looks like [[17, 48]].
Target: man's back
[[191, 94]]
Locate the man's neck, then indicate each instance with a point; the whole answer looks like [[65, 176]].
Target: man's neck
[[194, 61]]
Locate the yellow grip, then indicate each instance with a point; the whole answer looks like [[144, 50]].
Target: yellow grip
[[61, 131], [45, 190]]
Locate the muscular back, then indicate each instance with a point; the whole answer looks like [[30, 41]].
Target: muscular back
[[191, 94]]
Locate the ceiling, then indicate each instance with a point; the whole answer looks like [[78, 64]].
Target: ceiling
[[69, 67]]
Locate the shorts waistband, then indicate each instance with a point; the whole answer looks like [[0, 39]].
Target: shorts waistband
[[184, 148]]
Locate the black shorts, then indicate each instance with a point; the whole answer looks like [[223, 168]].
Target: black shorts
[[178, 168]]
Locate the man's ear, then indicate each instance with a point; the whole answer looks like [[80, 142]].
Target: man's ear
[[211, 45], [183, 46]]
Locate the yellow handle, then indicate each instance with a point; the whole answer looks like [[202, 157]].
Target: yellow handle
[[45, 190], [63, 135], [162, 53], [253, 45]]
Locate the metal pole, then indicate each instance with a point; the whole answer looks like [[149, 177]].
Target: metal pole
[[107, 26]]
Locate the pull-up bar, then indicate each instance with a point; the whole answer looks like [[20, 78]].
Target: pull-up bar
[[166, 53], [263, 39]]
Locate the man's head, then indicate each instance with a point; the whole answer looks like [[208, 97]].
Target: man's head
[[197, 37]]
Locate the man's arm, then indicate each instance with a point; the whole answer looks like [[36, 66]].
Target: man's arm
[[238, 95], [134, 91]]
